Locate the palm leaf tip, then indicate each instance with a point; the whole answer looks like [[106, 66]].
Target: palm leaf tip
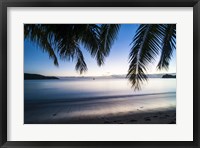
[[136, 79], [80, 64]]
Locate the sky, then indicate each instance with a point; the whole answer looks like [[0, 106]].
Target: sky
[[38, 62]]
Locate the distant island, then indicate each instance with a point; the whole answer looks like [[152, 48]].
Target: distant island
[[168, 76], [28, 76]]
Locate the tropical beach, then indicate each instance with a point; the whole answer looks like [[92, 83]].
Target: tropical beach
[[99, 73], [103, 100]]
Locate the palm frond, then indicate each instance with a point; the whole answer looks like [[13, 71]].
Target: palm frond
[[107, 36], [80, 62], [90, 38], [169, 44], [38, 35], [65, 39], [146, 45]]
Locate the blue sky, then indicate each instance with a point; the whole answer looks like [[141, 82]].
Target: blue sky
[[37, 61]]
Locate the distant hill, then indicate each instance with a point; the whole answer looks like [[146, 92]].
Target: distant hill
[[169, 76], [37, 77]]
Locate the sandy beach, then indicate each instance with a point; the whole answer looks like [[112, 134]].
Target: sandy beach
[[136, 109]]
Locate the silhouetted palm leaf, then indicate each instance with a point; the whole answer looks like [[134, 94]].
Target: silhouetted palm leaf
[[90, 38], [80, 64], [169, 44], [145, 47], [108, 34], [41, 37]]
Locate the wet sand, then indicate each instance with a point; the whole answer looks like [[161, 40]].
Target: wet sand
[[130, 109]]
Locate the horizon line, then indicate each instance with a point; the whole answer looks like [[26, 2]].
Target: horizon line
[[99, 75]]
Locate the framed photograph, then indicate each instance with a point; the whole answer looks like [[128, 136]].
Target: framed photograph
[[99, 73]]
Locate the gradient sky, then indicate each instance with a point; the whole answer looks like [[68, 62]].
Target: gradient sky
[[36, 61]]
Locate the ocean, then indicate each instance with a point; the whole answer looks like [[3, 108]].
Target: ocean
[[86, 88]]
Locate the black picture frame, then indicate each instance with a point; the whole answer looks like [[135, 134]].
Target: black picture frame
[[4, 4]]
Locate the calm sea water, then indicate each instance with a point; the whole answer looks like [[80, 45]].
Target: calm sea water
[[76, 88]]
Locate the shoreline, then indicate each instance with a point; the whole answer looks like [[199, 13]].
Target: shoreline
[[140, 109]]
